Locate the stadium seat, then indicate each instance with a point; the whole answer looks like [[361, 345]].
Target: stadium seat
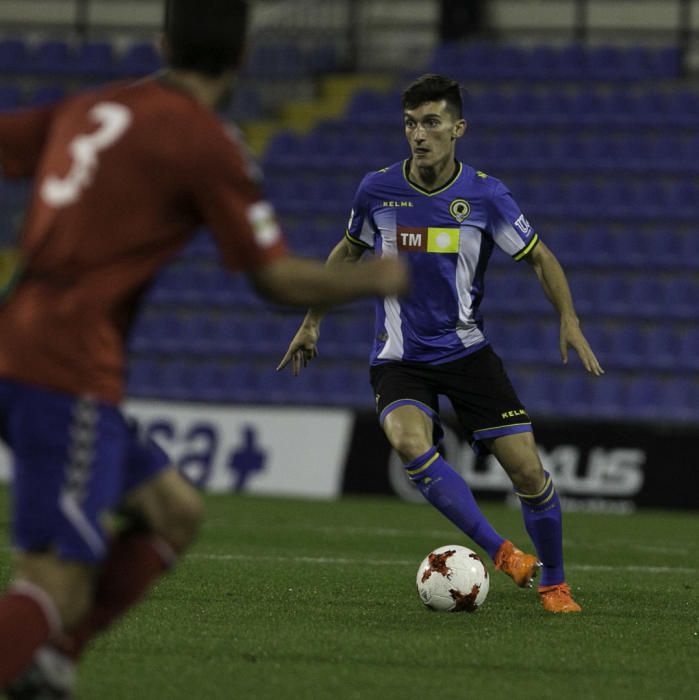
[[663, 348], [46, 95], [94, 59], [142, 377], [608, 398], [139, 59], [10, 97], [626, 347], [13, 56], [679, 398], [51, 58], [540, 62]]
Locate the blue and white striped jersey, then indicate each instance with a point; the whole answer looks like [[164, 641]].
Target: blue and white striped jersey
[[447, 236]]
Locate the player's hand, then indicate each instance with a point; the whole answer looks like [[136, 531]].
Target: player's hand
[[573, 336], [302, 349]]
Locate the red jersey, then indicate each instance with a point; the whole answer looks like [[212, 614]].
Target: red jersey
[[122, 178]]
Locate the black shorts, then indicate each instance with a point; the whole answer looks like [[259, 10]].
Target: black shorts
[[477, 386]]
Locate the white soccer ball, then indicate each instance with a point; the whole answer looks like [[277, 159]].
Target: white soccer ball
[[453, 579]]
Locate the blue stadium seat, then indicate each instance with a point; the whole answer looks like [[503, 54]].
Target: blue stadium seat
[[606, 63], [680, 399], [652, 108], [571, 64], [627, 345], [662, 346], [10, 97], [643, 397], [686, 353], [277, 61], [13, 56], [142, 377], [139, 59], [93, 59], [608, 398], [571, 393], [666, 62], [644, 296], [52, 57], [155, 332], [284, 148], [535, 390], [540, 62], [47, 94], [681, 297]]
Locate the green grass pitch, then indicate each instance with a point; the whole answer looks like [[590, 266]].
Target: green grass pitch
[[290, 599]]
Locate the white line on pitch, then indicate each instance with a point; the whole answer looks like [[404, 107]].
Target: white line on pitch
[[405, 562]]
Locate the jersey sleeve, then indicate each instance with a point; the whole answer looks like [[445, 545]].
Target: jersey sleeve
[[508, 226], [22, 138], [359, 228], [229, 201]]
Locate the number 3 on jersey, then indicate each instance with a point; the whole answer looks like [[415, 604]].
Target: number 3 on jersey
[[113, 120]]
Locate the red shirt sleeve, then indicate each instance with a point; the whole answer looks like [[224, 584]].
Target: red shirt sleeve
[[230, 203], [22, 138]]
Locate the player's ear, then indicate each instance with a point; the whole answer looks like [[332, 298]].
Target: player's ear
[[459, 129]]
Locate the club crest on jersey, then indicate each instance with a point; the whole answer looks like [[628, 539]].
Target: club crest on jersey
[[423, 239], [523, 225], [460, 209]]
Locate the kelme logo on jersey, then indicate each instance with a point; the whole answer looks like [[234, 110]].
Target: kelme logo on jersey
[[460, 209], [432, 239]]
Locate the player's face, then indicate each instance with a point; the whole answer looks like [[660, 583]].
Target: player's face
[[432, 130]]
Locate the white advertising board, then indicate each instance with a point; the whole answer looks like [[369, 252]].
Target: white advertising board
[[261, 450]]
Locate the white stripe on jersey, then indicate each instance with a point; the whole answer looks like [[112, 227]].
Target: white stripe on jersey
[[469, 251], [393, 349]]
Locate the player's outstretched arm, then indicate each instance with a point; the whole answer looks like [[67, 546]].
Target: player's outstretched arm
[[555, 285], [304, 345]]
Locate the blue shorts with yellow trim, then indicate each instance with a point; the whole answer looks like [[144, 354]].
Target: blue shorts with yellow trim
[[477, 387], [74, 459]]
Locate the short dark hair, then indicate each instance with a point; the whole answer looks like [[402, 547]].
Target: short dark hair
[[432, 88], [206, 36]]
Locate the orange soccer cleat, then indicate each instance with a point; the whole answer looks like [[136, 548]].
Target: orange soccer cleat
[[520, 567], [558, 599]]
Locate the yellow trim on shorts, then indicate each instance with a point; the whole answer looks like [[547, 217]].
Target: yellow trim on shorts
[[504, 425]]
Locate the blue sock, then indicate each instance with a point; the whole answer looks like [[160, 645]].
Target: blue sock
[[544, 523], [450, 495]]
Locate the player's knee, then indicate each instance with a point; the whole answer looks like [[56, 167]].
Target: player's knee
[[184, 514], [409, 444], [169, 507], [191, 514], [526, 472]]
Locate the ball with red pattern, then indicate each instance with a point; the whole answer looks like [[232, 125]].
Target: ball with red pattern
[[453, 578]]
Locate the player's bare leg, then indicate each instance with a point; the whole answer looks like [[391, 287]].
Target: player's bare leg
[[163, 517], [541, 510], [409, 430], [47, 594]]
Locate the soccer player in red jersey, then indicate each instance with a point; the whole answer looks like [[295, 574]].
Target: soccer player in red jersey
[[123, 176]]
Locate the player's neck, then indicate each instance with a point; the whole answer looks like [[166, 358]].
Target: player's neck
[[434, 176], [205, 90]]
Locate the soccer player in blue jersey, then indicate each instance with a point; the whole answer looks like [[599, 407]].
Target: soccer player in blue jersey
[[444, 218]]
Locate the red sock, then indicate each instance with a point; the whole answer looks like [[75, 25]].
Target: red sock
[[28, 617], [132, 565]]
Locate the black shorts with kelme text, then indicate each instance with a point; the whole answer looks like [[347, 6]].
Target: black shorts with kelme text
[[477, 386]]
